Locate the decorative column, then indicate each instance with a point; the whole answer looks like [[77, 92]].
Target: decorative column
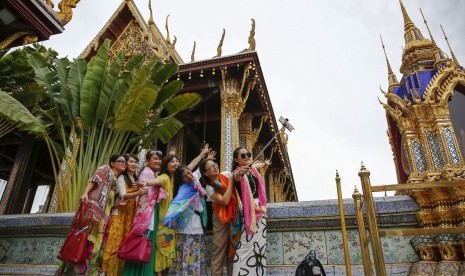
[[245, 130], [232, 105], [18, 183], [176, 144]]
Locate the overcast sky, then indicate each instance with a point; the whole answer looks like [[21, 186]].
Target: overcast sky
[[322, 61]]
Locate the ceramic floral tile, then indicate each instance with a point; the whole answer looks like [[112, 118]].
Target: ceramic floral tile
[[398, 250], [296, 245], [274, 248], [335, 247]]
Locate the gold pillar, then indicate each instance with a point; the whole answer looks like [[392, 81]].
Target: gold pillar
[[271, 187], [245, 131], [361, 232], [372, 223], [343, 225], [232, 105]]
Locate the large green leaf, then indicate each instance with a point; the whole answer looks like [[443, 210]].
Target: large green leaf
[[46, 76], [76, 76], [181, 102], [167, 92], [132, 110], [110, 89], [16, 113], [159, 130], [93, 82], [63, 66], [164, 72]]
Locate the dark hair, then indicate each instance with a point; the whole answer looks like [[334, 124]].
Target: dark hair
[[235, 156], [151, 152], [127, 179], [113, 158], [204, 179], [164, 163], [178, 181]]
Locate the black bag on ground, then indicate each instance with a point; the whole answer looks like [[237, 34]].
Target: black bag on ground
[[310, 266]]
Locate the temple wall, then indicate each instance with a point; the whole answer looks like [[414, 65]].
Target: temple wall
[[29, 243]]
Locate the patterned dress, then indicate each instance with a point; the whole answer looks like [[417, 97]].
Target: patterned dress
[[165, 250], [119, 226], [145, 219], [100, 201]]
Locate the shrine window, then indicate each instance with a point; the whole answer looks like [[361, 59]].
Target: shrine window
[[457, 116]]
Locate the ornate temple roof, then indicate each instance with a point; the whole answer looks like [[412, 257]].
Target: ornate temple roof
[[127, 24]]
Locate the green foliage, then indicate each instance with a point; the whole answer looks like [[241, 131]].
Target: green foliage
[[100, 108]]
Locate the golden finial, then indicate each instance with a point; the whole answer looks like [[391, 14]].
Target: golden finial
[[363, 167], [252, 36], [150, 22], [407, 22], [391, 76], [167, 30], [385, 55], [355, 189], [338, 179], [193, 53], [218, 49], [429, 31], [454, 58]]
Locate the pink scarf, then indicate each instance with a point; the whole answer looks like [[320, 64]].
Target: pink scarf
[[251, 215]]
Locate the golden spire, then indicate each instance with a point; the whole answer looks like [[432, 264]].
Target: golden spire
[[454, 58], [193, 53], [407, 22], [391, 76], [167, 30], [411, 32], [150, 22], [220, 45]]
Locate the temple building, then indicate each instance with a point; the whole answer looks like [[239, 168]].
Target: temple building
[[235, 108], [426, 128], [24, 22]]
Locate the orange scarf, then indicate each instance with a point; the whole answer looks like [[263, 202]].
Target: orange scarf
[[227, 214]]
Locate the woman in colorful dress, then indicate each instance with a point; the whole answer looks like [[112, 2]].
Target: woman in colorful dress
[[99, 195], [250, 258], [146, 218], [188, 214], [220, 191], [165, 247], [122, 215]]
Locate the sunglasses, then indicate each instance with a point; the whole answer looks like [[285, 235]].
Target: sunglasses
[[244, 155], [157, 152], [121, 161]]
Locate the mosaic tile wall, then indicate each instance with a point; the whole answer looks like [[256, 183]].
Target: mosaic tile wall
[[33, 241]]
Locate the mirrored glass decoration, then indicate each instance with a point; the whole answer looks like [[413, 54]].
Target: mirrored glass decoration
[[442, 153], [229, 142], [451, 146], [434, 150], [418, 156]]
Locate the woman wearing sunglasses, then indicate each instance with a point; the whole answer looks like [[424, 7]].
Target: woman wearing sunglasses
[[122, 215], [250, 258], [99, 196], [220, 191]]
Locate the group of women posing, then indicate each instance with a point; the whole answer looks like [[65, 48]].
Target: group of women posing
[[167, 203]]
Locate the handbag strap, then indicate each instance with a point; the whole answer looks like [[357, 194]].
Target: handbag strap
[[78, 220]]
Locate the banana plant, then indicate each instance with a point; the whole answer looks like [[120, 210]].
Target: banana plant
[[101, 108]]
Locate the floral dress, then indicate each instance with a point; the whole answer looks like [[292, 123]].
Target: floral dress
[[119, 226], [100, 201]]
